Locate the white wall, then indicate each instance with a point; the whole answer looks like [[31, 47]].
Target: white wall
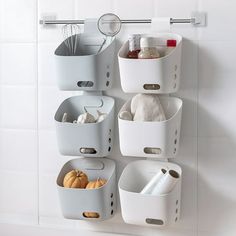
[[29, 159]]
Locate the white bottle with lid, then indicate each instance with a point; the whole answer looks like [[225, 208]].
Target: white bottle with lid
[[148, 48]]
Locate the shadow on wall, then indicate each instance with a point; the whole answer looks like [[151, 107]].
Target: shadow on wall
[[217, 207], [216, 109], [216, 148], [189, 68], [216, 174]]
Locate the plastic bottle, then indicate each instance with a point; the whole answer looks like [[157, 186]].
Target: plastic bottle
[[171, 44], [165, 46], [148, 48], [134, 46]]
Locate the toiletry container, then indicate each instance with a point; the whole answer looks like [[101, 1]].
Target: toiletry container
[[146, 209], [74, 139], [76, 202], [159, 75], [90, 70]]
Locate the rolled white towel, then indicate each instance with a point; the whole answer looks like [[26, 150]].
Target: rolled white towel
[[147, 107], [86, 118], [126, 115]]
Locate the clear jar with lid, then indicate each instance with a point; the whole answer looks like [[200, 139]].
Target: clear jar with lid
[[148, 48]]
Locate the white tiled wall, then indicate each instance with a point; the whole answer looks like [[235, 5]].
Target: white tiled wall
[[29, 158]]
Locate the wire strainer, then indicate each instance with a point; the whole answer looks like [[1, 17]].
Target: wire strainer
[[109, 24]]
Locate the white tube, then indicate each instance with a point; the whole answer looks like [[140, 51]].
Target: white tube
[[153, 182], [166, 183]]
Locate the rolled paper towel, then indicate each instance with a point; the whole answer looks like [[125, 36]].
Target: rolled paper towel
[[101, 116], [166, 183], [160, 24], [126, 115], [86, 118], [153, 182], [147, 107], [64, 118]]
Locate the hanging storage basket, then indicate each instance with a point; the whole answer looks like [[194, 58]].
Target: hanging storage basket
[[90, 69], [152, 139], [76, 202], [144, 209], [161, 75], [90, 139]]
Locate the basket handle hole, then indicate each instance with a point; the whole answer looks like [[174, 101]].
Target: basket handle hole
[[151, 150], [85, 84], [151, 86], [85, 150], [91, 215], [154, 221]]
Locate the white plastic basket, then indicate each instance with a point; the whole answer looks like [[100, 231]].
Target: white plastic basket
[[161, 75], [89, 71], [136, 138], [143, 209], [75, 202], [75, 139]]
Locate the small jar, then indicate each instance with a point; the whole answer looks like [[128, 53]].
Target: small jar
[[148, 48], [134, 46]]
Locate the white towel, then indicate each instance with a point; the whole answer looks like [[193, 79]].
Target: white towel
[[125, 115], [147, 107]]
